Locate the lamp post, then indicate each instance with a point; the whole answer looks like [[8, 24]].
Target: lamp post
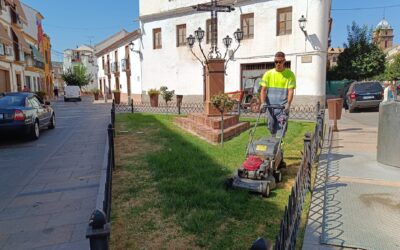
[[227, 41], [213, 76]]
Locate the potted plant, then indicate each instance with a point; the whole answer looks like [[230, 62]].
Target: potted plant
[[179, 100], [153, 93], [96, 93], [117, 96], [167, 94]]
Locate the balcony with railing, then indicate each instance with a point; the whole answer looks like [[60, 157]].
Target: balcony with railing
[[125, 65], [106, 69], [115, 67]]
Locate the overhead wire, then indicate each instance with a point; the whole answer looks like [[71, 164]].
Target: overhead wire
[[366, 8]]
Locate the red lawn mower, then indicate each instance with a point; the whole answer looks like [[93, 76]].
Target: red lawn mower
[[264, 157]]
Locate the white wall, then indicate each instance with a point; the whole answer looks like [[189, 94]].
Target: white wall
[[30, 28], [179, 70], [91, 68], [156, 6], [135, 63]]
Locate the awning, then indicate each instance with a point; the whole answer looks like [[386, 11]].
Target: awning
[[36, 54], [11, 2], [21, 40], [20, 11], [4, 37]]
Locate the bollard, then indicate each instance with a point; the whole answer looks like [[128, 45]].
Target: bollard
[[335, 111], [98, 231], [261, 244], [111, 134], [179, 102]]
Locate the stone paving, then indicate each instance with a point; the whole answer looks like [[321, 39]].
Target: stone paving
[[356, 202], [48, 187]]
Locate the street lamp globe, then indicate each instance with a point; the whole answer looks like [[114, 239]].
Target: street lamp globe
[[131, 46], [190, 40], [199, 33], [238, 34], [302, 23], [227, 41]]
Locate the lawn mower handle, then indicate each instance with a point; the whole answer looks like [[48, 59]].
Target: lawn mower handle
[[273, 106]]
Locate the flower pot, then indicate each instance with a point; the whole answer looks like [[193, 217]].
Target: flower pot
[[179, 100], [117, 97], [96, 96], [154, 100]]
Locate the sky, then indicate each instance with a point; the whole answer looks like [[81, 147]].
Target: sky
[[71, 23], [368, 12]]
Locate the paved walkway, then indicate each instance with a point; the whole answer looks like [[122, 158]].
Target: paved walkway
[[48, 187], [356, 202]]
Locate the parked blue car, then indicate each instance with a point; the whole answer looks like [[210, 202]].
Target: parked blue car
[[25, 113]]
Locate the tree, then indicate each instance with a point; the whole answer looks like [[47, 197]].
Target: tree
[[77, 76], [361, 58], [392, 71], [223, 104]]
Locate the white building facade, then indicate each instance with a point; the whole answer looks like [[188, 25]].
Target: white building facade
[[83, 55], [120, 66], [21, 63], [269, 26]]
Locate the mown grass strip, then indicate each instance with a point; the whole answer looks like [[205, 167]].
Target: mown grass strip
[[169, 185]]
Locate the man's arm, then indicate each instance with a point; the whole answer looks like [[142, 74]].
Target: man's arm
[[262, 94], [290, 96]]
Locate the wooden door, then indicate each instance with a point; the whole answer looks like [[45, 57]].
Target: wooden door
[[4, 81]]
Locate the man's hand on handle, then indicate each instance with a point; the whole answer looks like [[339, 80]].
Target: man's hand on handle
[[287, 108]]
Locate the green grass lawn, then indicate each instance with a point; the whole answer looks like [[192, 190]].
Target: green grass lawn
[[168, 189]]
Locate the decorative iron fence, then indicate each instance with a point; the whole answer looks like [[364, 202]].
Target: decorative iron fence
[[99, 227], [298, 112], [286, 238]]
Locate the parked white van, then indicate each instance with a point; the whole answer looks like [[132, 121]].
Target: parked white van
[[72, 93]]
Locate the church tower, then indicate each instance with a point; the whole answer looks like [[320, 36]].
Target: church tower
[[383, 35]]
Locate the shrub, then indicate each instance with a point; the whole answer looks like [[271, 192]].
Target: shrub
[[167, 94], [151, 92]]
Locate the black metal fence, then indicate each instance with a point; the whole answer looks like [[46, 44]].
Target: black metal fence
[[286, 238], [99, 227], [299, 112]]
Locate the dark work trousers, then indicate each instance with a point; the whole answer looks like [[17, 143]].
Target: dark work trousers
[[276, 119]]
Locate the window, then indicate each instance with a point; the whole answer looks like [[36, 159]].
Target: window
[[157, 38], [2, 50], [247, 25], [28, 82], [75, 56], [181, 35], [208, 31], [284, 21]]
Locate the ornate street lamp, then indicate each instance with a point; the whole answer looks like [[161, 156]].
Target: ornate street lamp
[[199, 33], [238, 34], [190, 41], [302, 24], [227, 41]]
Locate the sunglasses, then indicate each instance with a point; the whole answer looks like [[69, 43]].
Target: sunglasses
[[279, 62]]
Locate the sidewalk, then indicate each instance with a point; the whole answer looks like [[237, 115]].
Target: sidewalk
[[356, 200]]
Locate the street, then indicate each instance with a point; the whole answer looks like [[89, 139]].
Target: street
[[48, 187]]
